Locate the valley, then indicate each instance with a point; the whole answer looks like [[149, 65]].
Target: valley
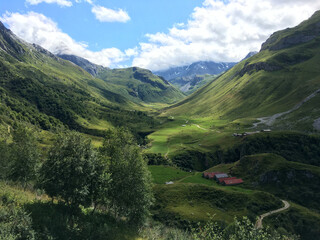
[[257, 120]]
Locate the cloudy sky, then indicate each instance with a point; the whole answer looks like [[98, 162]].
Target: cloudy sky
[[152, 34]]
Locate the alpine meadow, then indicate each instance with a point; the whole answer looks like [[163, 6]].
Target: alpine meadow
[[139, 120]]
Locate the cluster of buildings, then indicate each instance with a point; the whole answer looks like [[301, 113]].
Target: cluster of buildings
[[223, 178]]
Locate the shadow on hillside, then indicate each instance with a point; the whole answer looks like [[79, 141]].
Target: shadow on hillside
[[57, 221]]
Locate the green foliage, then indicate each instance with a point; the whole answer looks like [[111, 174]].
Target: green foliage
[[130, 190], [194, 160], [15, 223], [297, 220], [240, 230], [157, 159], [74, 171], [295, 147], [24, 155], [5, 160]]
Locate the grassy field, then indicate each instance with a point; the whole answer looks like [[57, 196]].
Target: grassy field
[[201, 134], [162, 174]]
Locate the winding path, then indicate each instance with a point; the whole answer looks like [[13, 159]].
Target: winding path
[[271, 119], [261, 217]]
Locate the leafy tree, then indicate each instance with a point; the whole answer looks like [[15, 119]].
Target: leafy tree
[[130, 192], [24, 155], [74, 171]]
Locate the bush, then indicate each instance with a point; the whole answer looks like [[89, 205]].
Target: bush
[[15, 223]]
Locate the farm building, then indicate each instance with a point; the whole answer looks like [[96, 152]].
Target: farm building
[[230, 182], [220, 180], [210, 175], [220, 175]]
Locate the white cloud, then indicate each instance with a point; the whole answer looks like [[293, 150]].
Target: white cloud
[[44, 32], [220, 31], [62, 3], [109, 15]]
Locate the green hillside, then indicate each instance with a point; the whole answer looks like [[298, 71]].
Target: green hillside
[[270, 172], [140, 85], [277, 79], [47, 91]]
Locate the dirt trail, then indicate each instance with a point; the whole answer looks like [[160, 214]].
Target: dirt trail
[[200, 127], [270, 120], [261, 217]]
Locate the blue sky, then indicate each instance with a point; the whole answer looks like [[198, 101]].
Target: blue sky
[[147, 16], [149, 33]]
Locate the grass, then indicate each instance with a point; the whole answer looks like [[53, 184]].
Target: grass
[[162, 174], [193, 202], [261, 93], [200, 134]]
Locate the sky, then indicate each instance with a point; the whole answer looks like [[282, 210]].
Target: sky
[[152, 34]]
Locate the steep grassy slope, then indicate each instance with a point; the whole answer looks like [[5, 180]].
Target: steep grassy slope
[[40, 88], [136, 84], [283, 74], [139, 84]]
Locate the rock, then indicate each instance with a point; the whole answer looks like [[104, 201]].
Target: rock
[[248, 68]]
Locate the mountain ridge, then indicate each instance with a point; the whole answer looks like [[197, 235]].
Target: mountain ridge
[[270, 82]]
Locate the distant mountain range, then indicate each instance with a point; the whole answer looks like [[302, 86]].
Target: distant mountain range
[[191, 77]]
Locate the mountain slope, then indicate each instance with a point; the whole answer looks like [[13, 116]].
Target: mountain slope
[[137, 84], [282, 75], [45, 90], [191, 77], [91, 68]]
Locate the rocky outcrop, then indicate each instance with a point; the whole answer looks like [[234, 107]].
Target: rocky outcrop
[[44, 51], [298, 35], [143, 77], [249, 68], [9, 43]]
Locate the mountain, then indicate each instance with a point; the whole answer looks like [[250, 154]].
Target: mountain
[[44, 90], [187, 77], [91, 68], [136, 84], [250, 54], [141, 85], [279, 85]]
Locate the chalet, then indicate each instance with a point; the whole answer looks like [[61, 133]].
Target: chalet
[[230, 182]]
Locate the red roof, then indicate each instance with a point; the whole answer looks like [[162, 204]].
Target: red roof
[[227, 178], [232, 181]]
